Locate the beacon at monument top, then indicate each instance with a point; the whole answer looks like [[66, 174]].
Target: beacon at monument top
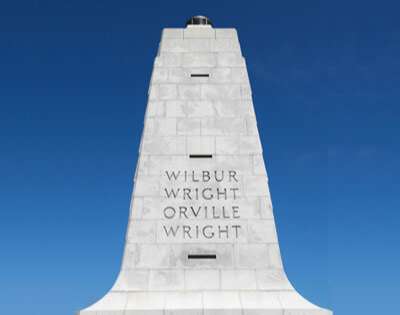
[[201, 237], [199, 20]]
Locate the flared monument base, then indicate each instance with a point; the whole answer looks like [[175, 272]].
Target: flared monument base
[[204, 303]]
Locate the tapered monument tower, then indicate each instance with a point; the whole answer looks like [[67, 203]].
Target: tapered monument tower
[[201, 238]]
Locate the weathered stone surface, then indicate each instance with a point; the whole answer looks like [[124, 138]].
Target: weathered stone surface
[[199, 32], [238, 279], [201, 238]]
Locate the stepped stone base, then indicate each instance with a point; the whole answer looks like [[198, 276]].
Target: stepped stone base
[[204, 303]]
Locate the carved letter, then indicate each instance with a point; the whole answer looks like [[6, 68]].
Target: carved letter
[[186, 230], [172, 212], [211, 235], [182, 211], [236, 227], [173, 175], [235, 212], [232, 174], [171, 230], [210, 196], [171, 192]]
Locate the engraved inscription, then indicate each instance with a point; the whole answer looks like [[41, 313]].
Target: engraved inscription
[[203, 206]]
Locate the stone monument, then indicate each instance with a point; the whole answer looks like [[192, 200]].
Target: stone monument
[[201, 238]]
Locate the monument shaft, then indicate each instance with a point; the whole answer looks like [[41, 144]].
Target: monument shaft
[[201, 235]]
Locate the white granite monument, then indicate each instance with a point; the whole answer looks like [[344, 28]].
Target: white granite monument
[[201, 238]]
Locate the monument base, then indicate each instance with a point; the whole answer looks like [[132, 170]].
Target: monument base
[[204, 303]]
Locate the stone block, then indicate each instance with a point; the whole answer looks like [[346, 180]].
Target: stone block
[[262, 231], [166, 91], [132, 280], [175, 108], [148, 303], [176, 45], [160, 127], [223, 126], [199, 109], [146, 186], [249, 104], [159, 75], [141, 167], [199, 60], [191, 311], [200, 145], [134, 311], [272, 280], [250, 145], [261, 300], [147, 166], [198, 44], [172, 33], [231, 108], [251, 126], [163, 145], [221, 303], [262, 311], [230, 59], [225, 311], [240, 163], [293, 300], [151, 208], [259, 166], [252, 255], [238, 279], [166, 280], [219, 92], [266, 207], [246, 92], [202, 279], [225, 45], [142, 256], [239, 75], [226, 33], [153, 93], [142, 231], [168, 60], [159, 165], [155, 109], [136, 208], [163, 92], [275, 260], [189, 91], [227, 145], [256, 185], [184, 302], [188, 126], [249, 208], [199, 32], [221, 75], [178, 75]]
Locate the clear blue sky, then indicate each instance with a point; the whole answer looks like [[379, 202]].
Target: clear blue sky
[[73, 82]]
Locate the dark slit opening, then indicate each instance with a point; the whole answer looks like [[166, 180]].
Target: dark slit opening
[[199, 75], [202, 256], [200, 156]]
